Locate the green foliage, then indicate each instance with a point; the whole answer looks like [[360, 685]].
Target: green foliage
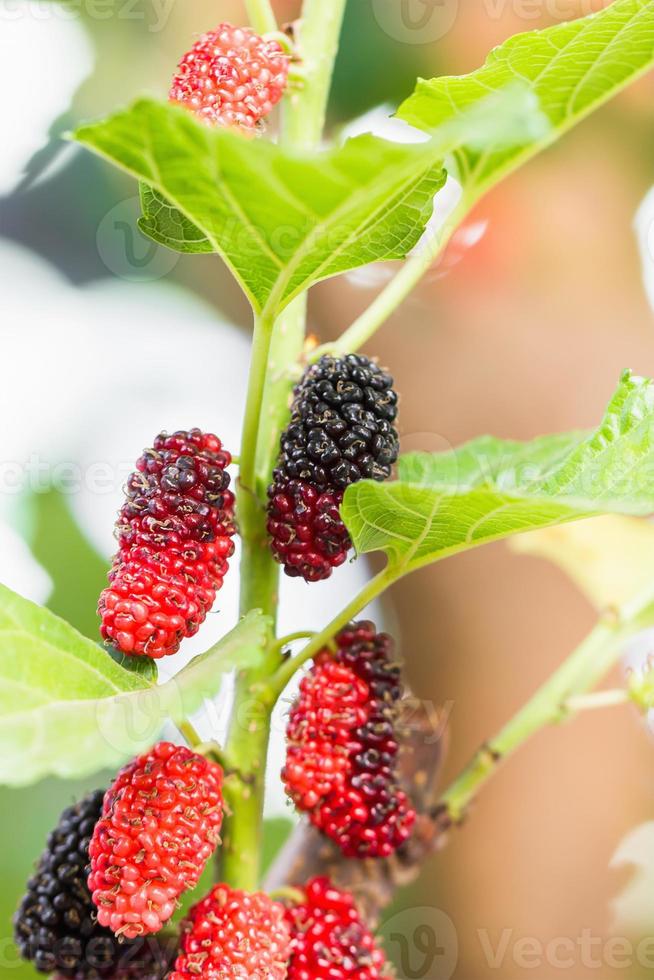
[[445, 503], [284, 221], [68, 709], [281, 222], [572, 68], [77, 571], [277, 830]]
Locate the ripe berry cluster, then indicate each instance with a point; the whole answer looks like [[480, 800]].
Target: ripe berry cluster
[[342, 430], [56, 927], [231, 77], [175, 538], [230, 933], [342, 748]]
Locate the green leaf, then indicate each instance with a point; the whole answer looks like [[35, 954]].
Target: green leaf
[[144, 667], [67, 709], [78, 572], [445, 503], [167, 226], [280, 221], [609, 558], [571, 69], [276, 831], [284, 221]]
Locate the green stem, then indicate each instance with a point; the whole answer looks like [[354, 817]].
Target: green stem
[[560, 698], [306, 110], [598, 701], [286, 349], [258, 573], [371, 591], [188, 731], [275, 348], [397, 290], [261, 15]]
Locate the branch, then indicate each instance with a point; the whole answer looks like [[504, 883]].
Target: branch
[[563, 696], [374, 882]]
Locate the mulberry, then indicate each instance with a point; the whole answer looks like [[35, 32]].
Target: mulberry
[[175, 535], [234, 934], [342, 749], [160, 824], [231, 77], [329, 940], [342, 430], [56, 928]]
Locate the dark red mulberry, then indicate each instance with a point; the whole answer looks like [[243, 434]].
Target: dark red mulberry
[[56, 927], [342, 750], [329, 940], [175, 535], [342, 430]]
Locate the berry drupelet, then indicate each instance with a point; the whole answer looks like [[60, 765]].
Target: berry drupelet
[[342, 750], [231, 77], [342, 430], [234, 934], [175, 533], [56, 927], [329, 940], [160, 825]]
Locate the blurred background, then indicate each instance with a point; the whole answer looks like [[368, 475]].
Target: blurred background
[[522, 329]]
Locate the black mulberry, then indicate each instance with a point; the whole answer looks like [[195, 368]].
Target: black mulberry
[[342, 430]]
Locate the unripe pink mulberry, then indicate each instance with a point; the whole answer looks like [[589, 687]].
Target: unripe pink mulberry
[[231, 77]]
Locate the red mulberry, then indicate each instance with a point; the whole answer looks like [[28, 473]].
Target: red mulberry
[[234, 934], [342, 430], [56, 928], [175, 535], [329, 940], [342, 750], [160, 824], [231, 77]]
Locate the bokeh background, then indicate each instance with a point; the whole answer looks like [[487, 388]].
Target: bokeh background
[[523, 329]]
